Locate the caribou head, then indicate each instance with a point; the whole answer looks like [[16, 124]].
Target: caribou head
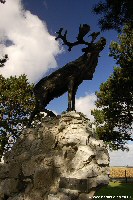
[[83, 31]]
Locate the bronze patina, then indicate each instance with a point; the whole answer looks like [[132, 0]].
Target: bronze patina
[[69, 77]]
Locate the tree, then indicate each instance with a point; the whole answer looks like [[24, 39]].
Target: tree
[[16, 104], [115, 98], [115, 13]]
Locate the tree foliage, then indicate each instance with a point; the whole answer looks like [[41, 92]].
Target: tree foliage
[[16, 103], [114, 13], [115, 98]]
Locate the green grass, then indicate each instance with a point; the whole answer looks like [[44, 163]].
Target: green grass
[[116, 189]]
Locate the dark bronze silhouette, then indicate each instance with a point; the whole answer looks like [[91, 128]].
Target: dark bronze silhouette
[[2, 1], [3, 60], [69, 77]]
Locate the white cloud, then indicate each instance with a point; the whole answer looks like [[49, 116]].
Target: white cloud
[[86, 104], [34, 49], [122, 158]]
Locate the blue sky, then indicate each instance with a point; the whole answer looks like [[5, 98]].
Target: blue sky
[[30, 26]]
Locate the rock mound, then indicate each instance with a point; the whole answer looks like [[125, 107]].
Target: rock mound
[[60, 159]]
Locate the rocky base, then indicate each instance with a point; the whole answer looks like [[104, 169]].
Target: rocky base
[[58, 160]]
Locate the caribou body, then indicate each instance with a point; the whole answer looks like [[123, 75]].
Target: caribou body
[[67, 78]]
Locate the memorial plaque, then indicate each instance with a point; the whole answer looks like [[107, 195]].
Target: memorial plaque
[[73, 184]]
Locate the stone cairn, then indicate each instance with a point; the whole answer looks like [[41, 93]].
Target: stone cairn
[[59, 159]]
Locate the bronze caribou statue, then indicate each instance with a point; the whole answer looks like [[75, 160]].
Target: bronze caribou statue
[[69, 77]]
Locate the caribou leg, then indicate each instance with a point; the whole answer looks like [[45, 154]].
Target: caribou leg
[[73, 98], [39, 106], [70, 94], [34, 112]]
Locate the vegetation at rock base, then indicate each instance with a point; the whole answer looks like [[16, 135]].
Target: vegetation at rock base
[[114, 13], [115, 98], [116, 189], [16, 104]]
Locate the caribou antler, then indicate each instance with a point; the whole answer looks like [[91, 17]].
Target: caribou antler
[[83, 30], [64, 39]]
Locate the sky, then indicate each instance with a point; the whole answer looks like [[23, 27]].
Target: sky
[[27, 35]]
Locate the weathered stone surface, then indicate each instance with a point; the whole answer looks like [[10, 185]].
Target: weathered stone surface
[[4, 170], [60, 196], [14, 170], [32, 196], [43, 178], [102, 158], [57, 160], [83, 156], [35, 163], [84, 196], [88, 171], [96, 143], [72, 194], [9, 186], [102, 179]]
